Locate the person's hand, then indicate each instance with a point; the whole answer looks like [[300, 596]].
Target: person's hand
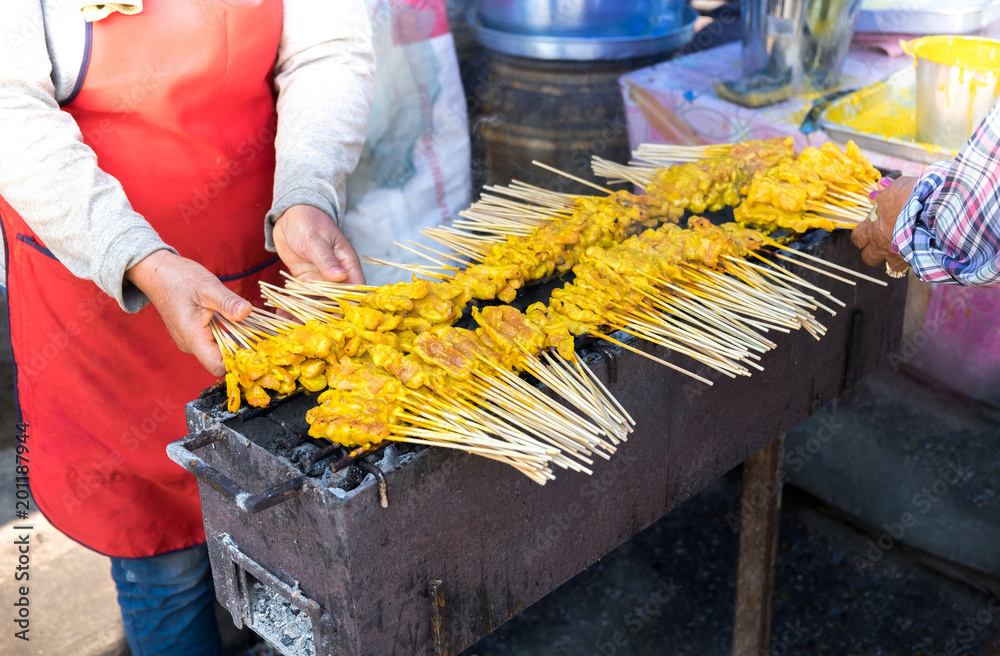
[[187, 295], [874, 238], [311, 245]]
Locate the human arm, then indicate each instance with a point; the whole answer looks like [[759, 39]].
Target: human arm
[[949, 228], [79, 211], [52, 178], [323, 76]]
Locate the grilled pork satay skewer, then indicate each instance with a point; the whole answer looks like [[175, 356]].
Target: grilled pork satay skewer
[[298, 305], [719, 341], [454, 432]]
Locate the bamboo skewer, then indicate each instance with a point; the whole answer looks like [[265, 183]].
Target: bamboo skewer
[[796, 280], [830, 264], [816, 269], [608, 338], [572, 177]]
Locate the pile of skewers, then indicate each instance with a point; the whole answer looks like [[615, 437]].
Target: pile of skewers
[[821, 188], [390, 363]]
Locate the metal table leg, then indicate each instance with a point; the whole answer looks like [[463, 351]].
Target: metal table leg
[[760, 515]]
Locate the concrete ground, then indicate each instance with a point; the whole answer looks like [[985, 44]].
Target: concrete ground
[[73, 609]]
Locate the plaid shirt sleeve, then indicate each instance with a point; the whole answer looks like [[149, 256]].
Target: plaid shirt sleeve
[[949, 229]]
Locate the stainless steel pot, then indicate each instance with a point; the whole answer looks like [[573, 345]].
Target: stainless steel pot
[[798, 42], [581, 18]]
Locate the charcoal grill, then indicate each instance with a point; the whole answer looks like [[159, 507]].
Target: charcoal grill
[[425, 551]]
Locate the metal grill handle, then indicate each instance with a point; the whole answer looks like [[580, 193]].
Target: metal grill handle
[[181, 452]]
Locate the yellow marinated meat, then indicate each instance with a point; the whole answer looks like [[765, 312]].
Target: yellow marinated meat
[[435, 309], [744, 240], [483, 281], [362, 317], [508, 328], [404, 340], [619, 260], [402, 331], [767, 191], [314, 339], [386, 302], [771, 218], [232, 391], [567, 301], [595, 275], [733, 239], [351, 418], [415, 325], [277, 379], [764, 154], [867, 171], [508, 293], [557, 334], [464, 341], [709, 184], [314, 383], [247, 366], [435, 351], [574, 326], [836, 171], [389, 322], [555, 247], [363, 376], [406, 368], [256, 396], [503, 355], [858, 170], [311, 368], [396, 298]]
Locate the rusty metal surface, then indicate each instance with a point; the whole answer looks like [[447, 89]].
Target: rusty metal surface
[[760, 516], [439, 617], [496, 540]]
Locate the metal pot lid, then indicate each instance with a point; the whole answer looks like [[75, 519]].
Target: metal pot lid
[[927, 16], [583, 48]]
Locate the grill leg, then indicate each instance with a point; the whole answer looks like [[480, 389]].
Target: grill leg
[[439, 618], [760, 515]]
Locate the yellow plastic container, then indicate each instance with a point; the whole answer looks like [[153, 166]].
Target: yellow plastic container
[[958, 81]]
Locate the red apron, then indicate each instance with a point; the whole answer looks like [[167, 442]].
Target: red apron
[[178, 105]]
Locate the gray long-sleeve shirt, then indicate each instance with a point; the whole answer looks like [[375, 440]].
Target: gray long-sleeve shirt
[[323, 77]]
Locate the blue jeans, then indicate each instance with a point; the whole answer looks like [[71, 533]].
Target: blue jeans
[[168, 603]]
